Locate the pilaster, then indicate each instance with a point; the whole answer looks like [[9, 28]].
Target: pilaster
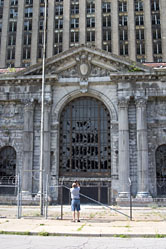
[[123, 149], [50, 28], [19, 36], [4, 35], [131, 30], [28, 149], [98, 18], [35, 28], [66, 24], [82, 21], [148, 31], [163, 29], [142, 149], [115, 27]]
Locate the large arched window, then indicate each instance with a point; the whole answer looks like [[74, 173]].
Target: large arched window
[[85, 139], [161, 170], [7, 165]]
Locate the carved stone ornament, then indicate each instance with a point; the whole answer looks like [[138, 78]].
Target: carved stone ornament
[[141, 102], [123, 103], [83, 66], [83, 86]]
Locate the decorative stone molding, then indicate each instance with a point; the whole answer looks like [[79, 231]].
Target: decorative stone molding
[[83, 66], [83, 86], [123, 103], [141, 102]]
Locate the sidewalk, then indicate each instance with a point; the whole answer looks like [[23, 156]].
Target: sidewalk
[[95, 221]]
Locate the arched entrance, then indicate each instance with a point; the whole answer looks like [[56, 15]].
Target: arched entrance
[[85, 146], [161, 170], [7, 169]]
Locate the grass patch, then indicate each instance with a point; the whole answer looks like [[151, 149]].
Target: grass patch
[[15, 233], [120, 236], [81, 227], [159, 236], [43, 233], [42, 224]]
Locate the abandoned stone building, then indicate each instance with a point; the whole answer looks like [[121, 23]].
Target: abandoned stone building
[[104, 123]]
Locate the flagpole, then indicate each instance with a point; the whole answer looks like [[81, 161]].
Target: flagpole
[[42, 115]]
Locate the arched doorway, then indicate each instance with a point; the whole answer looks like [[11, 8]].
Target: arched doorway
[[161, 170], [85, 146], [7, 170]]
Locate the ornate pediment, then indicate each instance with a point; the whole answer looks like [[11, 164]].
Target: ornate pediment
[[84, 62]]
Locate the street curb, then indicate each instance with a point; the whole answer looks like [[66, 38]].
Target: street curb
[[47, 234]]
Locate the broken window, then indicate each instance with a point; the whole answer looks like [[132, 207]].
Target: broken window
[[7, 164], [161, 170], [85, 138]]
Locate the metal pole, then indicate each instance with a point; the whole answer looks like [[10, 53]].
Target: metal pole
[[61, 202], [18, 197], [42, 114], [130, 200], [46, 206]]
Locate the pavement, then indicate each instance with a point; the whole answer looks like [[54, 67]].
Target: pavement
[[95, 221]]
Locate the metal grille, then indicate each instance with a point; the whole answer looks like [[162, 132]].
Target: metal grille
[[85, 139], [161, 170], [7, 165]]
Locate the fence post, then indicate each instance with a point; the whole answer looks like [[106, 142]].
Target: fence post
[[61, 202], [46, 206], [130, 201], [18, 197]]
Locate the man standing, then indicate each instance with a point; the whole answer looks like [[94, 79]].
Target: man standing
[[75, 200]]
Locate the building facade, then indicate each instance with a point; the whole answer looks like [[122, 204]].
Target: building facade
[[130, 28], [104, 123]]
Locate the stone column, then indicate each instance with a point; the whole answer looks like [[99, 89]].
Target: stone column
[[4, 34], [123, 149], [35, 29], [50, 28], [19, 37], [131, 30], [82, 21], [66, 24], [115, 27], [163, 29], [98, 21], [142, 149], [148, 31], [28, 149]]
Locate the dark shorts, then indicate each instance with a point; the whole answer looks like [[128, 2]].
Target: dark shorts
[[75, 205]]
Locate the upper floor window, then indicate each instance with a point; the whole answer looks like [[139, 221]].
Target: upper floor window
[[58, 23], [13, 13], [155, 5], [14, 2], [123, 20], [90, 8], [12, 26], [59, 10], [1, 2], [122, 6], [90, 22], [106, 7], [155, 19], [28, 12], [74, 9], [74, 23], [138, 5], [29, 2], [139, 20]]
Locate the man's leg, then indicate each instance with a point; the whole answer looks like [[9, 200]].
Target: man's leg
[[78, 216], [73, 215]]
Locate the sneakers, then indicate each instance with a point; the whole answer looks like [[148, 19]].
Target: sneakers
[[78, 220]]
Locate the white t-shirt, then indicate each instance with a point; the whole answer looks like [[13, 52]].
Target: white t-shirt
[[75, 193]]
